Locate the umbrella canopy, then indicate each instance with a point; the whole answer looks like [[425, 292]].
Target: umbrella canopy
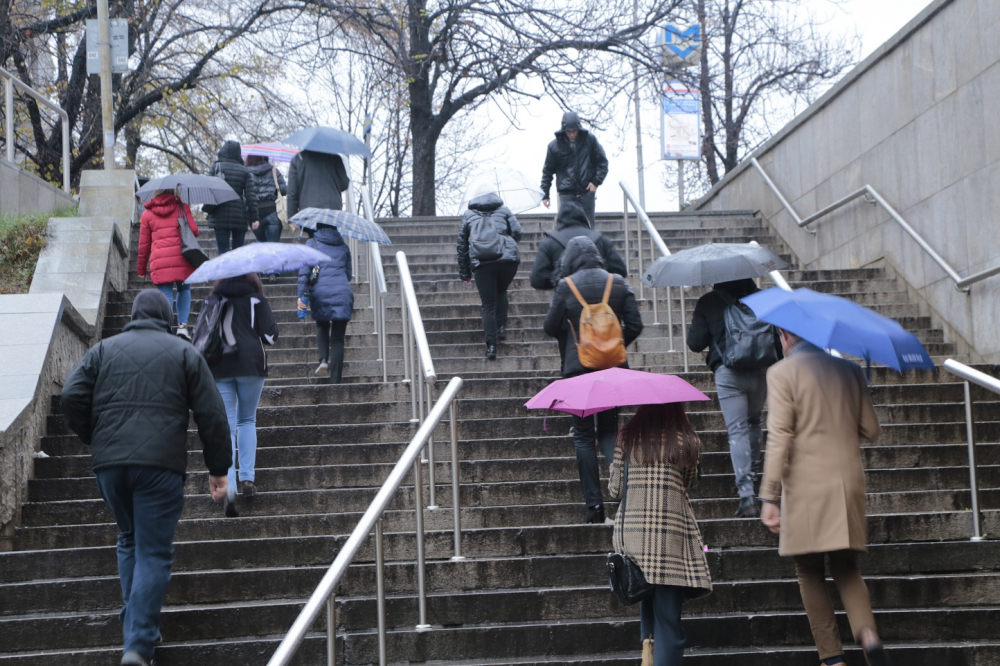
[[275, 152], [349, 224], [832, 322], [258, 258], [193, 188], [712, 263], [518, 191], [328, 140], [594, 392]]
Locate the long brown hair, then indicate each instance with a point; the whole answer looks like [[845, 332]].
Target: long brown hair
[[660, 433], [251, 278]]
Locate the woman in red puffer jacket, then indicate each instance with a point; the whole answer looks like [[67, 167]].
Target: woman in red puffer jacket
[[160, 249]]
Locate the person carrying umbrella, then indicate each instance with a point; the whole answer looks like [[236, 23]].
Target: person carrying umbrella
[[328, 289], [316, 180], [231, 219]]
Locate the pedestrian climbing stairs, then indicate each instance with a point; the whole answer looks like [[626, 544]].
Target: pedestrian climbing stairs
[[532, 590]]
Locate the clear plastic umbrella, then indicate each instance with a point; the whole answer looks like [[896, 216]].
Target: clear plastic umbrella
[[518, 191]]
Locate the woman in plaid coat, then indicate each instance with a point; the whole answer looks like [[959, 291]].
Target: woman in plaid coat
[[655, 526]]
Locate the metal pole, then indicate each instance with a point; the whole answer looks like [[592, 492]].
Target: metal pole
[[8, 94], [684, 335], [638, 245], [384, 341], [432, 497], [638, 120], [421, 584], [625, 228], [380, 591], [456, 498], [680, 184], [977, 530], [65, 154], [652, 258], [107, 106], [331, 629]]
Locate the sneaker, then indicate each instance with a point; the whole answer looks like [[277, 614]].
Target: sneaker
[[323, 369], [229, 506], [747, 508], [595, 514], [502, 333], [491, 352], [248, 489], [183, 332], [133, 658]]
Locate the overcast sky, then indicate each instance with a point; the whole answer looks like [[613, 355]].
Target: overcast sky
[[874, 21]]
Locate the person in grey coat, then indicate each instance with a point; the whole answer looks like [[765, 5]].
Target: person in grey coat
[[315, 180], [493, 276], [231, 219]]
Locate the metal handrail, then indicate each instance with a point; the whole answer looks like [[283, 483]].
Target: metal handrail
[[10, 82], [642, 220], [324, 594], [991, 384], [961, 283], [377, 288]]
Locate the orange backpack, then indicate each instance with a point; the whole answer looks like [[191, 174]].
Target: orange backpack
[[600, 344]]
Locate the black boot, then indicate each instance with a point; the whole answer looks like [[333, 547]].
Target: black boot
[[747, 508], [595, 514], [491, 352], [502, 333]]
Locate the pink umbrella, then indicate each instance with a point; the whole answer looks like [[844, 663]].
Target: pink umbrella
[[594, 392], [276, 152]]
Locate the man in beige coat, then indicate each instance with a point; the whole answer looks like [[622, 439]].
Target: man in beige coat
[[818, 408]]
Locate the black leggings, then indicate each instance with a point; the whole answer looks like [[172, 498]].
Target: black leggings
[[330, 340], [492, 281]]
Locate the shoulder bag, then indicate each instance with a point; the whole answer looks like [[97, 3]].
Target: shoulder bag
[[280, 201], [624, 576], [190, 248]]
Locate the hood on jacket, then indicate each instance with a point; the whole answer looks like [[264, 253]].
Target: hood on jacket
[[162, 205], [230, 151], [580, 253], [328, 235], [737, 288], [486, 203], [570, 121], [571, 214], [151, 304]]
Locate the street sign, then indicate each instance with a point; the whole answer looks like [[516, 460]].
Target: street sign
[[681, 121], [681, 47], [118, 32]]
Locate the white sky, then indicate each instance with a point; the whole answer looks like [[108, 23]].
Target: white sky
[[874, 21]]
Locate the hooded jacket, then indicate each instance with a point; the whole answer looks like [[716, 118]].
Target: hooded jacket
[[160, 241], [572, 222], [315, 180], [331, 298], [252, 326], [708, 325], [238, 213], [491, 206], [573, 165], [586, 268], [130, 397], [262, 187]]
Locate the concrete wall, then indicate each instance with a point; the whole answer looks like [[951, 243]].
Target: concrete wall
[[22, 192], [918, 121]]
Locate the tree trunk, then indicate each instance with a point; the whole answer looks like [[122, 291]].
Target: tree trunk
[[425, 138]]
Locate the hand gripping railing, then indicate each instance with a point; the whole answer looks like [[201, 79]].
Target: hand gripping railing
[[991, 384], [9, 84], [869, 192], [324, 595], [377, 289], [642, 220]]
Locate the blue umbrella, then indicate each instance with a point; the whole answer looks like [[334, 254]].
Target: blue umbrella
[[328, 140], [258, 258], [833, 322], [349, 224]]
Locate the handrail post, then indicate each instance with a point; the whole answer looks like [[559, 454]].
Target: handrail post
[[638, 244], [456, 498], [331, 629], [684, 336], [418, 497], [977, 530], [628, 262], [380, 592], [384, 342], [432, 494], [8, 86], [65, 153]]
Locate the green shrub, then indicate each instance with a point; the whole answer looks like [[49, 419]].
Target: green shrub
[[22, 238]]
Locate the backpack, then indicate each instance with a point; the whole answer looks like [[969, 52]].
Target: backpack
[[749, 341], [485, 242], [209, 331], [600, 344]]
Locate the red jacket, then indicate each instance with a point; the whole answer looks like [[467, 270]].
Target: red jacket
[[160, 241]]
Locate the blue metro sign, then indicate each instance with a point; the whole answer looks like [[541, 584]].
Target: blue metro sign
[[682, 45]]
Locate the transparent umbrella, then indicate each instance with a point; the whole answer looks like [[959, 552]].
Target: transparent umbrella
[[518, 191]]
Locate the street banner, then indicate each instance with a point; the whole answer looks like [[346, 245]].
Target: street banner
[[680, 121]]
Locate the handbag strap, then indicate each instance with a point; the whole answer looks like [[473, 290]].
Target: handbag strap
[[274, 175]]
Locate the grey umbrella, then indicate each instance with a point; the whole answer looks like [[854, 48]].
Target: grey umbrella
[[712, 263], [193, 188]]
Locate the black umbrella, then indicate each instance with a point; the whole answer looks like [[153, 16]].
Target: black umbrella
[[193, 188], [712, 263]]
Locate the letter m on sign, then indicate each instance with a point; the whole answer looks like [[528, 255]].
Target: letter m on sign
[[681, 46]]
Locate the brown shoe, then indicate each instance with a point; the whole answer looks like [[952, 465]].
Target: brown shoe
[[248, 489], [747, 508]]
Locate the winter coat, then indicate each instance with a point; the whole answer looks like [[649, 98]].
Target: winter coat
[[487, 205], [572, 222], [315, 180], [818, 407], [130, 397], [655, 525], [331, 298], [160, 241], [708, 325], [238, 213], [252, 326], [574, 167], [262, 187], [585, 267]]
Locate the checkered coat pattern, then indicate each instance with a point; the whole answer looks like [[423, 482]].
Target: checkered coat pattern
[[658, 530]]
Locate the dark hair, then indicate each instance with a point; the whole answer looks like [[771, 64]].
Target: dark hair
[[252, 279], [660, 433], [254, 160]]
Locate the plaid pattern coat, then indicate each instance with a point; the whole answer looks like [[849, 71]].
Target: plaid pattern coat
[[657, 528]]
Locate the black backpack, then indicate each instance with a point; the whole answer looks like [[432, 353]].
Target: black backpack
[[749, 341], [485, 242], [209, 336]]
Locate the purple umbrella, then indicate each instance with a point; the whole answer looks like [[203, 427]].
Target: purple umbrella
[[594, 392], [258, 258]]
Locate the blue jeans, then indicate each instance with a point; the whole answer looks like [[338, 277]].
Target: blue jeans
[[241, 395], [229, 239], [269, 229], [182, 304], [660, 616], [742, 394], [147, 503], [585, 437]]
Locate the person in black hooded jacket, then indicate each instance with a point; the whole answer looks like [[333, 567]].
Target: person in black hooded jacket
[[129, 399], [570, 223], [585, 266], [266, 182], [231, 219], [577, 160]]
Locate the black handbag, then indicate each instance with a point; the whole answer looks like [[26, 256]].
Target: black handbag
[[624, 576], [190, 248]]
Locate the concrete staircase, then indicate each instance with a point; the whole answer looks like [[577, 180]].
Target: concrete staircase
[[533, 589]]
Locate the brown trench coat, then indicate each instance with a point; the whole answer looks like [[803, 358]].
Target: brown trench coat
[[818, 406]]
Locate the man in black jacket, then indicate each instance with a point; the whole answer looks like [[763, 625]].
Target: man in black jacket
[[315, 180], [129, 399], [585, 267], [577, 160], [231, 219], [571, 222]]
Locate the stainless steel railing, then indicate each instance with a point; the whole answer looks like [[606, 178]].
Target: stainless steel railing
[[377, 289], [10, 83], [655, 241], [992, 384], [867, 191], [324, 595]]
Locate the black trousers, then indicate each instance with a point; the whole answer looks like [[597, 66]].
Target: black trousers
[[330, 340], [586, 199], [492, 281], [229, 239]]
